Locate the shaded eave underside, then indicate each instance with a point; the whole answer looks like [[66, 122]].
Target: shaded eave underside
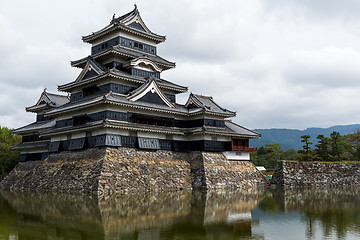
[[121, 100], [38, 108], [146, 128], [125, 52], [164, 84], [118, 26], [34, 127], [31, 145]]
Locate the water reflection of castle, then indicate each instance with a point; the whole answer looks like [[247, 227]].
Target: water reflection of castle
[[149, 215], [283, 213]]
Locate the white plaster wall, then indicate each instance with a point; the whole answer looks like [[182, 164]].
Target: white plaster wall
[[151, 135], [237, 155], [78, 135]]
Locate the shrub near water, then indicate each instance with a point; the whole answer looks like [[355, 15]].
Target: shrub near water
[[8, 158]]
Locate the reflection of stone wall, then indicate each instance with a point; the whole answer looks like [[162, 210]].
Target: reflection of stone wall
[[179, 215], [107, 170], [55, 216], [231, 206], [319, 199], [316, 174], [132, 212]]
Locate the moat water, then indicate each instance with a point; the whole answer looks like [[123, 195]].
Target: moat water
[[273, 213]]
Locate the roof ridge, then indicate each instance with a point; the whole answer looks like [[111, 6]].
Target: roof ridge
[[200, 95], [58, 95], [118, 19]]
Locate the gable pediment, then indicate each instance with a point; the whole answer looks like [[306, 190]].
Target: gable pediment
[[192, 102], [150, 92], [137, 26], [135, 21], [44, 99], [90, 70]]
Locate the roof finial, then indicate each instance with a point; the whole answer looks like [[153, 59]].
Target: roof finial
[[113, 17], [135, 6], [45, 89]]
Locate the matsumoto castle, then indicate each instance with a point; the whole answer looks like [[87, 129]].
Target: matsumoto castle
[[120, 100]]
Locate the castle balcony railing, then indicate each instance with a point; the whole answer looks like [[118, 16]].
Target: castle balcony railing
[[244, 149]]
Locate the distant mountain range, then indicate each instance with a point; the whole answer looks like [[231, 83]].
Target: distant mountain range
[[291, 138]]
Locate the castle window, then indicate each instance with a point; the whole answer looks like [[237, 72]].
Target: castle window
[[80, 120], [136, 44], [140, 46], [90, 91]]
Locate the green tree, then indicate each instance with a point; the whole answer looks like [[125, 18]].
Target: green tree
[[290, 154], [306, 147], [337, 145], [269, 154], [352, 146], [8, 157], [322, 148]]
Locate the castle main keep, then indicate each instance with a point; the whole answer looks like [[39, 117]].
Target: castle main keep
[[119, 100]]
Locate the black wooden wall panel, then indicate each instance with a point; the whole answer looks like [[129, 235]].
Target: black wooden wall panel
[[76, 144], [113, 140], [149, 143], [128, 141], [123, 42], [22, 158], [54, 146]]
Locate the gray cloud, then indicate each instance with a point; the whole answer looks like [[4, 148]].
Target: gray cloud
[[319, 9], [277, 63], [325, 68]]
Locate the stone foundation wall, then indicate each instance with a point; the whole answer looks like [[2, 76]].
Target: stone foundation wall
[[222, 173], [290, 173], [128, 169], [108, 170], [65, 171]]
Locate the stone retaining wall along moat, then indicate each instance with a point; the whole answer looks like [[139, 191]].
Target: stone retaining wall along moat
[[289, 173], [107, 170]]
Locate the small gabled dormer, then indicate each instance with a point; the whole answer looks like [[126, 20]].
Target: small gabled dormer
[[90, 70], [46, 102]]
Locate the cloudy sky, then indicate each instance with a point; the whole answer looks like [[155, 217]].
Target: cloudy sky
[[278, 64]]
